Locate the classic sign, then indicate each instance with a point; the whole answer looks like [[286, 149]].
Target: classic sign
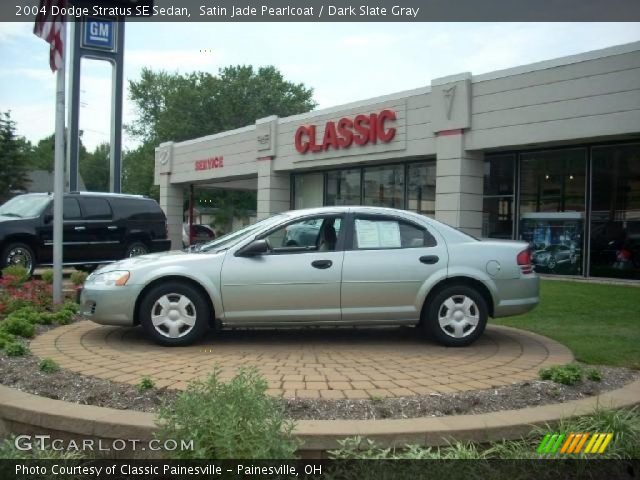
[[362, 130]]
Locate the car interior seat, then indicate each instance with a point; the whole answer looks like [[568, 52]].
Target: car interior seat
[[328, 237]]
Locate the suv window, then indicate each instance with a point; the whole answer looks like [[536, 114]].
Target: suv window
[[71, 209], [385, 232], [96, 209]]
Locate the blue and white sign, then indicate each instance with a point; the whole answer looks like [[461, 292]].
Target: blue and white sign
[[99, 34]]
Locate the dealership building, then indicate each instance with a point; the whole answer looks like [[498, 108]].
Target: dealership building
[[547, 152]]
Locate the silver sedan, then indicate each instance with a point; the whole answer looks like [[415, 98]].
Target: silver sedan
[[331, 266]]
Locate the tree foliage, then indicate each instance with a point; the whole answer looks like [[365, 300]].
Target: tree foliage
[[13, 149], [94, 168], [172, 106]]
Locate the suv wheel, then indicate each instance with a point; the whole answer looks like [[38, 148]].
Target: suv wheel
[[136, 248], [174, 314], [19, 254], [456, 316]]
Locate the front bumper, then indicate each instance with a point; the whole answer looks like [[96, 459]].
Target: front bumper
[[516, 297], [109, 305]]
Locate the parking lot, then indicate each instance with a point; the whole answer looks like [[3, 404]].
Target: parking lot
[[321, 363]]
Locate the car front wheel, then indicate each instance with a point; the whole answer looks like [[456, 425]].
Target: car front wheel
[[174, 314], [456, 316], [19, 254]]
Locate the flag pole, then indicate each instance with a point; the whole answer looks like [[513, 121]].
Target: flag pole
[[58, 183]]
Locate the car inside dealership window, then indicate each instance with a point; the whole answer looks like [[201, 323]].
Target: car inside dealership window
[[373, 233], [319, 233]]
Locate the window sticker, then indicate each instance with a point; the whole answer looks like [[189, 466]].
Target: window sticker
[[372, 234]]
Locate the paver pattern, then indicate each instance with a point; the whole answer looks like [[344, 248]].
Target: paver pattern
[[320, 363]]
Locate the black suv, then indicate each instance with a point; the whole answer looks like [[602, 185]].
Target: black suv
[[98, 228]]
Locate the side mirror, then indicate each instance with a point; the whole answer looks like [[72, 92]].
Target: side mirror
[[255, 248], [48, 218]]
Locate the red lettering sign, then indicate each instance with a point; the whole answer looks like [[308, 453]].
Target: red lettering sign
[[209, 163], [362, 130]]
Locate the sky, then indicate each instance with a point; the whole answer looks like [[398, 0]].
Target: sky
[[342, 62]]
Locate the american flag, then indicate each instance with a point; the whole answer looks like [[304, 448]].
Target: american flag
[[51, 29]]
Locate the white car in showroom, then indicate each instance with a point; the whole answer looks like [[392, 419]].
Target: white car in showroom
[[355, 266]]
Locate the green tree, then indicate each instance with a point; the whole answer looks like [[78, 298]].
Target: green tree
[[94, 168], [171, 106], [137, 171], [13, 158], [41, 156]]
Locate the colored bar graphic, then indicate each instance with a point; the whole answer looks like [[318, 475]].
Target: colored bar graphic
[[573, 443]]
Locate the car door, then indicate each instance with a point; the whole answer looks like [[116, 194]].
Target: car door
[[387, 261], [296, 282], [74, 239], [102, 240]]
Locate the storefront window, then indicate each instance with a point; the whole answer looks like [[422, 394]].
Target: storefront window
[[553, 181], [384, 186], [421, 189], [343, 187], [552, 198], [498, 202], [615, 211], [308, 190]]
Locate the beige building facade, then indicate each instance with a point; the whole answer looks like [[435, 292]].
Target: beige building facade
[[517, 153]]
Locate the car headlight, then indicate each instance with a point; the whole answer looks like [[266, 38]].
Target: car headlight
[[113, 278]]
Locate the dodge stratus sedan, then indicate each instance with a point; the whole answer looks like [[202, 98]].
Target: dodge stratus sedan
[[331, 266]]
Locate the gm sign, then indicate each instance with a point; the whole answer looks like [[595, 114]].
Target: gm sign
[[99, 34]]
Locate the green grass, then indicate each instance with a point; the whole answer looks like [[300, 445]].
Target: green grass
[[599, 323]]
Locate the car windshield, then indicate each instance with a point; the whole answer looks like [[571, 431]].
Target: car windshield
[[230, 239], [25, 206]]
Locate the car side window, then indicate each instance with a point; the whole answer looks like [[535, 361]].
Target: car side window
[[71, 209], [315, 234], [385, 233], [96, 209]]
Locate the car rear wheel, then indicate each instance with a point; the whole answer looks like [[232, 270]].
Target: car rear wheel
[[19, 254], [174, 314], [456, 316], [136, 248]]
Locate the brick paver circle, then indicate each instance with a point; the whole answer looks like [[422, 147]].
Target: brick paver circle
[[333, 363]]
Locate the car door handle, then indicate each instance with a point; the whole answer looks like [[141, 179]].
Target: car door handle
[[321, 264], [429, 259], [79, 229], [111, 227]]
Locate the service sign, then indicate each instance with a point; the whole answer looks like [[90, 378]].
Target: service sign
[[209, 163]]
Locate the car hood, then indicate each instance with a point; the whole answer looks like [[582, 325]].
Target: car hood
[[155, 259]]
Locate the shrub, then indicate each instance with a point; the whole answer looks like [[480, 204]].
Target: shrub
[[34, 293], [234, 420], [18, 326], [593, 374], [5, 338], [146, 383], [569, 374], [78, 277], [48, 365], [15, 349], [16, 275], [47, 276]]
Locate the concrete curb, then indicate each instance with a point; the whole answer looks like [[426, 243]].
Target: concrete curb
[[26, 413]]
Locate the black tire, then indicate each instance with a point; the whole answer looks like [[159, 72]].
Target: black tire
[[17, 253], [173, 291], [135, 249], [553, 263], [437, 307]]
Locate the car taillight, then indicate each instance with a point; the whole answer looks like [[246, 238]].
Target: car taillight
[[524, 261]]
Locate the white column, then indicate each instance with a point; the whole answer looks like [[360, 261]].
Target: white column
[[459, 184], [274, 190], [172, 203]]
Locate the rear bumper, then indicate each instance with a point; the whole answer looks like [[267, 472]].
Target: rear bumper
[[516, 297], [160, 245]]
